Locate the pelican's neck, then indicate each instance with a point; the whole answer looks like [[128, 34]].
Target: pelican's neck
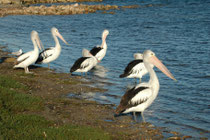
[[153, 77], [57, 44], [103, 44]]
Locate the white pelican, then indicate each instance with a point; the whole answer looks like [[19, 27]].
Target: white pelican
[[136, 68], [26, 59], [18, 53], [50, 54], [141, 96], [100, 51], [84, 64], [138, 56]]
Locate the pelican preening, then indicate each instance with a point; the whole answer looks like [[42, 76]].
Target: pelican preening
[[136, 68], [84, 64], [26, 59], [100, 51], [141, 96], [50, 54]]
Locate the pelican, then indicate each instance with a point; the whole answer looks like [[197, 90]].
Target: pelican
[[50, 54], [26, 59], [18, 53], [100, 51], [136, 68], [141, 96], [84, 64]]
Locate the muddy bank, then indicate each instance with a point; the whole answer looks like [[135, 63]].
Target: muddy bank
[[54, 88]]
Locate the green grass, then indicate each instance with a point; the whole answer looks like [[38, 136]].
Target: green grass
[[16, 122]]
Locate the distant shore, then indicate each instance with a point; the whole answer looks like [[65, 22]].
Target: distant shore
[[24, 7], [28, 2]]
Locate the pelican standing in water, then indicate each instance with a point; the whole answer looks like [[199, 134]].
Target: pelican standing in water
[[50, 54], [136, 68], [84, 64], [100, 51], [26, 59], [141, 96]]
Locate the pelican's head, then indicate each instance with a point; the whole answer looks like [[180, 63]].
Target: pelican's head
[[150, 58], [138, 56], [34, 34], [56, 33], [86, 53], [105, 33], [35, 38]]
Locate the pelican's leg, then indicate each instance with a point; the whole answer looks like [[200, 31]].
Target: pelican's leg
[[142, 115], [27, 71], [48, 65], [134, 115], [139, 80]]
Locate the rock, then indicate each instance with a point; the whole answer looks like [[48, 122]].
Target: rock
[[5, 1], [174, 138], [186, 137], [57, 9]]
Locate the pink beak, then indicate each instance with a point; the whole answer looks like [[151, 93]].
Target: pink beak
[[61, 37], [154, 60]]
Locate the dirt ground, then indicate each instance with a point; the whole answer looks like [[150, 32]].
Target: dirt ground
[[54, 88]]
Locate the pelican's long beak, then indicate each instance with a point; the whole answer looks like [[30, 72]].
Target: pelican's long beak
[[162, 67], [41, 47], [61, 37], [38, 41]]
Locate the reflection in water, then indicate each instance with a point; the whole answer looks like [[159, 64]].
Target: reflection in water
[[100, 71], [91, 96]]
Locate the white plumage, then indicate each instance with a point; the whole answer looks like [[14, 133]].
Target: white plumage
[[100, 51], [29, 58], [136, 68], [84, 64], [50, 54]]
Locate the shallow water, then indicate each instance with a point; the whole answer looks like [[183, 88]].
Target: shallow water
[[177, 31]]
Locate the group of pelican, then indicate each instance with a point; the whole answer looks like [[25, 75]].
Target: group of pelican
[[136, 99], [85, 63], [48, 55], [91, 58]]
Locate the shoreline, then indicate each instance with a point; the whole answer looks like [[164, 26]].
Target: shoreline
[[53, 88], [69, 9]]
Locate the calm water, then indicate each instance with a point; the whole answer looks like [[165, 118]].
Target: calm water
[[177, 31]]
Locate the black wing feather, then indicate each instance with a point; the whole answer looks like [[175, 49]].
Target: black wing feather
[[41, 58], [125, 100], [128, 69], [95, 50], [77, 64]]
